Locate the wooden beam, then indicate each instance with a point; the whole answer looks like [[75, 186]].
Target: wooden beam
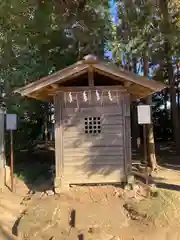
[[117, 73], [127, 84], [90, 77], [54, 86], [61, 78], [81, 89], [124, 82], [41, 96], [48, 93], [110, 75]]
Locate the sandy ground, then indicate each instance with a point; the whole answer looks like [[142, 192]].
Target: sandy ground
[[106, 213], [11, 208], [95, 213]]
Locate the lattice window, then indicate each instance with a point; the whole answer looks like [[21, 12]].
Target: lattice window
[[92, 125]]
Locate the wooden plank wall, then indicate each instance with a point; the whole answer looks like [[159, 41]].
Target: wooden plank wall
[[93, 159], [82, 158]]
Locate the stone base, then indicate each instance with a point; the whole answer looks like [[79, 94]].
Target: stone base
[[60, 186]]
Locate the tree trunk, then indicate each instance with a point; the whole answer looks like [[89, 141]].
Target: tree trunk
[[2, 155], [178, 102], [150, 142], [151, 154], [166, 30], [174, 109], [178, 91], [166, 98], [136, 138], [46, 122], [46, 130]]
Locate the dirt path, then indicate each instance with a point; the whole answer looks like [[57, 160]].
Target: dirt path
[[168, 221], [168, 179], [98, 209], [6, 235], [10, 210], [102, 209]]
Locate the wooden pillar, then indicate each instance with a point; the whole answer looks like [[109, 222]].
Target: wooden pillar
[[2, 155], [127, 135], [90, 77], [58, 105]]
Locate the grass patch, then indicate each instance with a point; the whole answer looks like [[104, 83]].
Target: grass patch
[[20, 176], [159, 210], [29, 173]]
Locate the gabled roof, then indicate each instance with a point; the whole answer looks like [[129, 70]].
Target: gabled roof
[[136, 85]]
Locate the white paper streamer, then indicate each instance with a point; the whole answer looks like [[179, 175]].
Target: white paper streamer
[[70, 97], [113, 95], [85, 96], [98, 96], [110, 96]]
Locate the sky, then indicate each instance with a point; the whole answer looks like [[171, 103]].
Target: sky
[[113, 10]]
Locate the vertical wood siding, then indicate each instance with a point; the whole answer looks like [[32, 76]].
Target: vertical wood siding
[[94, 159], [86, 158]]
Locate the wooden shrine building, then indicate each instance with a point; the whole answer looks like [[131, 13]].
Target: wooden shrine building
[[92, 119]]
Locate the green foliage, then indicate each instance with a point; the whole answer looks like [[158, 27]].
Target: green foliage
[[144, 29], [141, 29], [38, 38], [31, 172]]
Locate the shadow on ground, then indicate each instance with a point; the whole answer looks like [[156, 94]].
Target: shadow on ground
[[34, 169], [15, 226], [168, 186], [167, 160]]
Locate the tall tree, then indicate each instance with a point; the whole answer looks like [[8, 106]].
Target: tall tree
[[167, 32], [40, 37], [136, 34], [150, 133]]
